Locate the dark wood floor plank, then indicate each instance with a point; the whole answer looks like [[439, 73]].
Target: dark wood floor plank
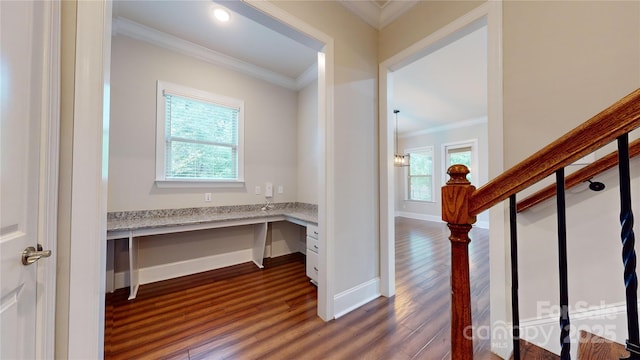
[[242, 312]]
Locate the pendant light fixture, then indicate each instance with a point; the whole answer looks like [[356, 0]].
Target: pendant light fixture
[[399, 159]]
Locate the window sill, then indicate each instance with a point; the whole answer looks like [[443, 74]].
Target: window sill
[[420, 201], [175, 184]]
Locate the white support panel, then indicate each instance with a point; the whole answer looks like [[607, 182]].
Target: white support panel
[[259, 241], [111, 257], [134, 280]]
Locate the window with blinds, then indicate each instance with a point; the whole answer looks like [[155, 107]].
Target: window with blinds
[[200, 135], [420, 174]]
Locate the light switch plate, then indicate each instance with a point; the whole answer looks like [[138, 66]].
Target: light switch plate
[[258, 190], [280, 189]]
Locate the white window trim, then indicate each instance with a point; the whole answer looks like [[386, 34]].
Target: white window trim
[[161, 180], [406, 173], [473, 143]]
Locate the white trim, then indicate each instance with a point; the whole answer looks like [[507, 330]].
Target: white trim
[[606, 320], [499, 288], [197, 184], [446, 127], [89, 176], [132, 29], [375, 15], [307, 76], [192, 266], [406, 169], [434, 218], [353, 298], [418, 216], [475, 169], [490, 13], [48, 217]]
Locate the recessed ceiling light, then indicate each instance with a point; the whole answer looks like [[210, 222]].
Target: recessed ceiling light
[[221, 14]]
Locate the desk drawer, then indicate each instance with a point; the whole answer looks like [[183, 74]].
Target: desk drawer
[[312, 266], [312, 244], [312, 231]]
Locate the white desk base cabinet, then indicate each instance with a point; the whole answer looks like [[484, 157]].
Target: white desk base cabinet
[[312, 253]]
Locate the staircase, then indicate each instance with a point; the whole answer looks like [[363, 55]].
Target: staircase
[[462, 202], [591, 347]]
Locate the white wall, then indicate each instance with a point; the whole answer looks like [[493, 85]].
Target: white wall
[[308, 144], [270, 129], [432, 210]]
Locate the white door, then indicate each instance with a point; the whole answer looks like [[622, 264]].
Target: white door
[[21, 67]]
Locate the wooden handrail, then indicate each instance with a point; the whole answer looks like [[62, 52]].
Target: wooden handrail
[[618, 119], [461, 202], [586, 173]]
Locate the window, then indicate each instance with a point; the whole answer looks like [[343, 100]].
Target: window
[[461, 153], [420, 174], [199, 137]]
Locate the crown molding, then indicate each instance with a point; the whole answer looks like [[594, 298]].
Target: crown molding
[[393, 9], [307, 76], [132, 29], [446, 127], [375, 15]]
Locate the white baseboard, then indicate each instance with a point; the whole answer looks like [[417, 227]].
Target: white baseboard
[[418, 216], [193, 266], [187, 267], [121, 280], [606, 320], [355, 297], [426, 217]]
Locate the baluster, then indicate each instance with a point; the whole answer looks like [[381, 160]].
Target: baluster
[[628, 244], [565, 341], [515, 310], [455, 212]]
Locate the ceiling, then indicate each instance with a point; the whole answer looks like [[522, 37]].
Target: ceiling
[[448, 85]]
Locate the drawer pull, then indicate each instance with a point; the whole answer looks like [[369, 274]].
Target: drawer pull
[[315, 268], [315, 247]]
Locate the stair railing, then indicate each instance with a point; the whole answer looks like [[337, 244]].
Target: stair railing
[[462, 202]]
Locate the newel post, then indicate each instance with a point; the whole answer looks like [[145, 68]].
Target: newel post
[[455, 212]]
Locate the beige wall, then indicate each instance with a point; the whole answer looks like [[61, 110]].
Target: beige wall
[[270, 129], [564, 61], [355, 138], [308, 146], [422, 20]]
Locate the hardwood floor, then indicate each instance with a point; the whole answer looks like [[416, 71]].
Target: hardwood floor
[[241, 312]]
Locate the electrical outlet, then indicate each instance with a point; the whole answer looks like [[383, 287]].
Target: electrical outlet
[[207, 197], [268, 189], [280, 189], [258, 190]]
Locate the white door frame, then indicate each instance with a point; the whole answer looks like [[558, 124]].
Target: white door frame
[[90, 153], [48, 193], [491, 12], [87, 256]]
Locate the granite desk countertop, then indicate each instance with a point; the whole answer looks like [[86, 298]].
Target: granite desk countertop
[[143, 219]]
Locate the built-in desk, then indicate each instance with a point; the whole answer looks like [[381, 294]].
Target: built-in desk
[[133, 224]]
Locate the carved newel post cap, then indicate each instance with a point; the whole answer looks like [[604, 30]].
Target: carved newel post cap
[[458, 174]]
